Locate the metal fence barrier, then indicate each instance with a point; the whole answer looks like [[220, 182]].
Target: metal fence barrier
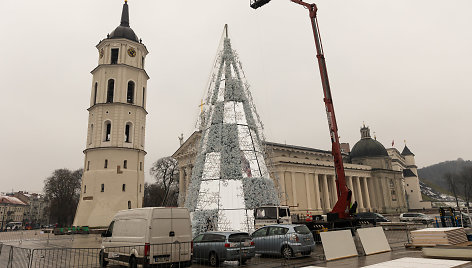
[[240, 252], [33, 235]]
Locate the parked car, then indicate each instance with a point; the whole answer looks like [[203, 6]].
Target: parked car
[[416, 217], [14, 226], [370, 217], [217, 247], [285, 240], [153, 235]]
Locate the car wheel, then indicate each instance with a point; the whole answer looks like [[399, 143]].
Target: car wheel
[[306, 253], [101, 260], [287, 252], [213, 259], [243, 262], [133, 263]]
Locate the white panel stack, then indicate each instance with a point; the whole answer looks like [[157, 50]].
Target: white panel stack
[[439, 236]]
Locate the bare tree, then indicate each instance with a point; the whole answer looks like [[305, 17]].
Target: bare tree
[[465, 179], [62, 189], [453, 187], [166, 173]]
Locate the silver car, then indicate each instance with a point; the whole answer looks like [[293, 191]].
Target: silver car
[[416, 217], [285, 240], [217, 247]]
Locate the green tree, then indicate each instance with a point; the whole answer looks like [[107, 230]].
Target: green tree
[[62, 189]]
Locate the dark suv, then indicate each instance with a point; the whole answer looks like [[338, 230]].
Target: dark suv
[[370, 217], [217, 247]]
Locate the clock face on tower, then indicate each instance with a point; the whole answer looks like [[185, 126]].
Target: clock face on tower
[[131, 52]]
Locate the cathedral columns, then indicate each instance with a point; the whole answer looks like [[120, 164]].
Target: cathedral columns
[[294, 189], [308, 189], [324, 188], [334, 192], [317, 192], [366, 192], [360, 202]]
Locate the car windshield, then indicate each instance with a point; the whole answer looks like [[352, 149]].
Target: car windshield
[[239, 237], [302, 229], [266, 213]]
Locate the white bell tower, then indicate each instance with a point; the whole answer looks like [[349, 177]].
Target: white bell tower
[[113, 176]]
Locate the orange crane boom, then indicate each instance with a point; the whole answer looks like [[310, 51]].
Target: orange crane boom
[[342, 206]]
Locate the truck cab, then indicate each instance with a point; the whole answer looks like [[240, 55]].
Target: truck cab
[[269, 215]]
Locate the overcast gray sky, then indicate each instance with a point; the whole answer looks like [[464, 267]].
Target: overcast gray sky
[[403, 67]]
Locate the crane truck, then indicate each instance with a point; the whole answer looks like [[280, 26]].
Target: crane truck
[[342, 213]]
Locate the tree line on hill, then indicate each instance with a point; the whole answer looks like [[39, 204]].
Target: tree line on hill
[[460, 184]]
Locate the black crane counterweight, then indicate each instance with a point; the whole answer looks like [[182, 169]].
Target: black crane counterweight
[[258, 3]]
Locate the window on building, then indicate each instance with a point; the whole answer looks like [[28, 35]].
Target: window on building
[[144, 94], [140, 188], [106, 163], [128, 131], [114, 55], [88, 165], [107, 131], [102, 188], [142, 136], [411, 191], [123, 187], [142, 61], [140, 165], [130, 94], [85, 189], [110, 90], [95, 93], [91, 134], [125, 164], [129, 204]]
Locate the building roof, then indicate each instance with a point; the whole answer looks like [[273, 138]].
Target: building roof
[[407, 151], [367, 147], [123, 30], [408, 173], [11, 200]]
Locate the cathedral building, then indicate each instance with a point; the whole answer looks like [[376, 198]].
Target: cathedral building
[[379, 178], [113, 176]]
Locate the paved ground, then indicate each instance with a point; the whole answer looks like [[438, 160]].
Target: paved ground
[[60, 255]]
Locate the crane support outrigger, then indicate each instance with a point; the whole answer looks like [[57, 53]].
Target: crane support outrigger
[[342, 208]]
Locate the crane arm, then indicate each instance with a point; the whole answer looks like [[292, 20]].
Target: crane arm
[[344, 194], [342, 206]]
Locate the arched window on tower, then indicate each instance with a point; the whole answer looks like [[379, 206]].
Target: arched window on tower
[[142, 136], [107, 131], [128, 131], [95, 93], [144, 95], [129, 204], [130, 93], [91, 134], [110, 90]]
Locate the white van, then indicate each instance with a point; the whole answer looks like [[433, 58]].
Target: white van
[[146, 236]]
